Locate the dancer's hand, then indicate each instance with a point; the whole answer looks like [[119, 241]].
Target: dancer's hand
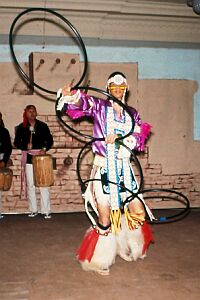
[[66, 90], [65, 95], [110, 139]]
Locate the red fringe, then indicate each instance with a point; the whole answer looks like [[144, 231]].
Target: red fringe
[[87, 247], [148, 236]]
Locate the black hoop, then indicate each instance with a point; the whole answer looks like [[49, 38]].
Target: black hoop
[[21, 71], [177, 197]]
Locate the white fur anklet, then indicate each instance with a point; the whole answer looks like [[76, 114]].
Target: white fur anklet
[[104, 253]]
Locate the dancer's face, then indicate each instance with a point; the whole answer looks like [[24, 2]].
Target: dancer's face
[[117, 90]]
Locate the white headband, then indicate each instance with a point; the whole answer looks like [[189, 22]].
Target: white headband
[[117, 79]]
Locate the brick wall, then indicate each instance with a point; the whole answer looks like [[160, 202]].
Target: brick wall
[[66, 192]]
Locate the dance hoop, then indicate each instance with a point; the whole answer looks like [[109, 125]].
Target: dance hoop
[[21, 71], [179, 197]]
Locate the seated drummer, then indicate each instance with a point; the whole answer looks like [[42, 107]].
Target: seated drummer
[[33, 137], [5, 148]]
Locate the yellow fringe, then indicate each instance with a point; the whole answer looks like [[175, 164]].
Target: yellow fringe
[[133, 221], [115, 218]]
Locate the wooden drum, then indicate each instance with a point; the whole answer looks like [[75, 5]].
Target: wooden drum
[[6, 176], [43, 170]]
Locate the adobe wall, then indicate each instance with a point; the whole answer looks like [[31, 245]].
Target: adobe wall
[[170, 160]]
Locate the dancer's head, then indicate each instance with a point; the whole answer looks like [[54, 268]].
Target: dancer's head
[[117, 86]]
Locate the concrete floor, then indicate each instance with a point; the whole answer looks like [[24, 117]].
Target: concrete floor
[[37, 262]]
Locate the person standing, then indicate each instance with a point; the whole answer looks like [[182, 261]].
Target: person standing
[[5, 148], [33, 137], [121, 229]]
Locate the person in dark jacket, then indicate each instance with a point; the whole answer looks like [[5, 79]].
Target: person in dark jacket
[[5, 148], [33, 137]]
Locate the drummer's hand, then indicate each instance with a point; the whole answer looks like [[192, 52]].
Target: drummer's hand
[[110, 139], [29, 146], [2, 164]]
